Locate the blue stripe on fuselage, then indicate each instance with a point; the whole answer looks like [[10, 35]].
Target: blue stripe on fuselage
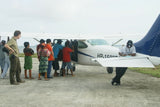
[[85, 54]]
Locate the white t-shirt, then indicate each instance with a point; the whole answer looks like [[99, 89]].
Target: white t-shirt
[[126, 50]]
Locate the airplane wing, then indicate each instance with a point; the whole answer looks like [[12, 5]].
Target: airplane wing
[[125, 62]]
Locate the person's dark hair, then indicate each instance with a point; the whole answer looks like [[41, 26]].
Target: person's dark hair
[[26, 44], [42, 45], [17, 33], [3, 42], [129, 43], [48, 40], [67, 43], [42, 41], [59, 41]]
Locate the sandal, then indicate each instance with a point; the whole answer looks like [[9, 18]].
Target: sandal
[[46, 79], [31, 78], [26, 78]]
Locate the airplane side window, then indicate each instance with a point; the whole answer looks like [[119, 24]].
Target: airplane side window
[[82, 44]]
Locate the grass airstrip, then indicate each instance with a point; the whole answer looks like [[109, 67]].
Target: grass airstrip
[[150, 71]]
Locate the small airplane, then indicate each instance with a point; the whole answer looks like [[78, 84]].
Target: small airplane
[[97, 52]]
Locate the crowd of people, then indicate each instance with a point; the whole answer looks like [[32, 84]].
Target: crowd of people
[[47, 56]]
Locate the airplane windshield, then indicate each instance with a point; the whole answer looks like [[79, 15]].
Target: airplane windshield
[[97, 42]]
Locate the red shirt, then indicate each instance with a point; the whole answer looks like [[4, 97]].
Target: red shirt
[[50, 58], [66, 54]]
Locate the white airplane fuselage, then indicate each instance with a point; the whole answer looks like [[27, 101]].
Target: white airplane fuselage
[[85, 55]]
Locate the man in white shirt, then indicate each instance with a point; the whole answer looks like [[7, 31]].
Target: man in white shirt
[[128, 50]]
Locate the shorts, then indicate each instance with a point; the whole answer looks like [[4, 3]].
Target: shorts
[[68, 64], [55, 64]]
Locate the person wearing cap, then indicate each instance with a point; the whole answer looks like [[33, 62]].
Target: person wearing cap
[[15, 68], [28, 52], [128, 50], [56, 49], [43, 54], [6, 59], [38, 46], [50, 58]]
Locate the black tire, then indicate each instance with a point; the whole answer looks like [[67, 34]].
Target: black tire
[[109, 70]]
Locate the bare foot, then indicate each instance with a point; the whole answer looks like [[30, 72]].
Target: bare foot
[[46, 79], [31, 78], [39, 78], [73, 75], [26, 78], [55, 75]]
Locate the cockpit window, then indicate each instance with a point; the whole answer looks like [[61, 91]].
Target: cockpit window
[[81, 44], [97, 42]]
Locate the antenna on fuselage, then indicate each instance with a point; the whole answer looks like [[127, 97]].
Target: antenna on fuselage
[[36, 39], [117, 42]]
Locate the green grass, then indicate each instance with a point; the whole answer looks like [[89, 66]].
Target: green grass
[[33, 56], [150, 71]]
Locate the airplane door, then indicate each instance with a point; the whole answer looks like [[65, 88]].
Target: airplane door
[[74, 55]]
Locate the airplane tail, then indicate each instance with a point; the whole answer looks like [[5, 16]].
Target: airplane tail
[[150, 44]]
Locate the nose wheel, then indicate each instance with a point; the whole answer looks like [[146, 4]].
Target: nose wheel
[[109, 70]]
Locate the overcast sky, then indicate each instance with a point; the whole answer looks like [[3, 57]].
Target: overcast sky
[[78, 16]]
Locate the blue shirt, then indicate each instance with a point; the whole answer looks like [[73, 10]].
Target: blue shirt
[[56, 49]]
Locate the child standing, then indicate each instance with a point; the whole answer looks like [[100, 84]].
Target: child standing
[[66, 58], [43, 54], [28, 60]]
